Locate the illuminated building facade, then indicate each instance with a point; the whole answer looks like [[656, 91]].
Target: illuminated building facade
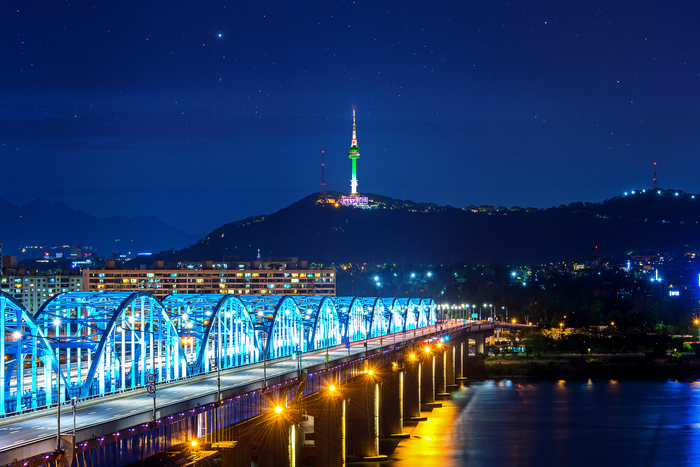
[[33, 290], [218, 278]]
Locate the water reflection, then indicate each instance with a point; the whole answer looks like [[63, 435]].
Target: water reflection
[[575, 422]]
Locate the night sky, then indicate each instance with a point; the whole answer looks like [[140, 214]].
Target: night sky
[[203, 113]]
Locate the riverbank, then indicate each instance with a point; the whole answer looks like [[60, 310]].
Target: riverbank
[[590, 366]]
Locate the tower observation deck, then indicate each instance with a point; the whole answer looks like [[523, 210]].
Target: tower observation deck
[[354, 198], [354, 154]]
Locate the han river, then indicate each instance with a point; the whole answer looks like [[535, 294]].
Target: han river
[[572, 422]]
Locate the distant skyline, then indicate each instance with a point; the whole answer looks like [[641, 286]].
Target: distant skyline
[[203, 114]]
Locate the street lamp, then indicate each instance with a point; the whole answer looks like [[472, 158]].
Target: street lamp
[[57, 323]]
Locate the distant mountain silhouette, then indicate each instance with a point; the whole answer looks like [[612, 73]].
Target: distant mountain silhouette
[[40, 223], [404, 232]]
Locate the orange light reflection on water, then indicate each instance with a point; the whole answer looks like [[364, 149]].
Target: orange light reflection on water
[[429, 441]]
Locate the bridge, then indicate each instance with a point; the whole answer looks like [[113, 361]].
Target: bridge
[[213, 362]]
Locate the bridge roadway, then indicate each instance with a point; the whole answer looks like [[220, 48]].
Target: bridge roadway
[[27, 435]]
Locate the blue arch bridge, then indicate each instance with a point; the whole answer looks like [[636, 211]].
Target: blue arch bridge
[[104, 350]]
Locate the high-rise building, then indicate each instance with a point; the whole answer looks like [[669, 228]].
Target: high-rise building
[[239, 278], [32, 289], [77, 252]]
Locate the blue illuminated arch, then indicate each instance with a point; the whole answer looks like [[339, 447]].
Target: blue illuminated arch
[[214, 330], [120, 343]]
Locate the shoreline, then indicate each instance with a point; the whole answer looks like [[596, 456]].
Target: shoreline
[[615, 366]]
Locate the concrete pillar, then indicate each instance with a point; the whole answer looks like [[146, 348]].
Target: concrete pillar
[[277, 443], [427, 379], [330, 429], [411, 389], [241, 454], [480, 340], [451, 359], [461, 351], [440, 372], [391, 403], [363, 418]]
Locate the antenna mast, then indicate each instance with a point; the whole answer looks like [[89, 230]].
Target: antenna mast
[[322, 196]]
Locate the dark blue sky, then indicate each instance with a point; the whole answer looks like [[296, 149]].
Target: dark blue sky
[[203, 113]]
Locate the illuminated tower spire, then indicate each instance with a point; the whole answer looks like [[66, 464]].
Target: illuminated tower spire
[[354, 154], [656, 184]]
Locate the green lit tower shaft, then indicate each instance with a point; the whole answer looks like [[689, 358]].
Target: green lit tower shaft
[[354, 154]]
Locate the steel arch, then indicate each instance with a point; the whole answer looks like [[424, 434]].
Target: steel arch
[[274, 317], [397, 320], [199, 320], [352, 317], [26, 340], [410, 308], [376, 321], [326, 327], [428, 313], [93, 321]]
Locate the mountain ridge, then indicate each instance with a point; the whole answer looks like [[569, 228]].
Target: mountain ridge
[[26, 225], [403, 232]]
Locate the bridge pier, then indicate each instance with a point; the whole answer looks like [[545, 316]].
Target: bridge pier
[[330, 430], [272, 440], [450, 369], [427, 382], [480, 343], [441, 372], [412, 389], [392, 402], [459, 359], [363, 418]]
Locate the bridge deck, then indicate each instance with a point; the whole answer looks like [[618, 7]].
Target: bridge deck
[[35, 433]]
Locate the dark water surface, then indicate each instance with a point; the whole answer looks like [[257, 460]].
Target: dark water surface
[[578, 422]]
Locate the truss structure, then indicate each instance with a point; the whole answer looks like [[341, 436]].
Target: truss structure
[[100, 343]]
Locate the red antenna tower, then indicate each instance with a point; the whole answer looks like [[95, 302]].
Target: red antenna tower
[[656, 184], [322, 196]]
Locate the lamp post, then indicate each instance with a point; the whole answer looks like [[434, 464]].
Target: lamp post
[[57, 323], [264, 356], [218, 375]]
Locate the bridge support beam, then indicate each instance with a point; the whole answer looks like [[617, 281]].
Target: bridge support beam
[[411, 389], [461, 351], [330, 431], [363, 418], [480, 341], [391, 402], [427, 382], [270, 439], [441, 372], [450, 368]]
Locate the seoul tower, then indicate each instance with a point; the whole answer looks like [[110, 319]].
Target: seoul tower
[[354, 154]]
